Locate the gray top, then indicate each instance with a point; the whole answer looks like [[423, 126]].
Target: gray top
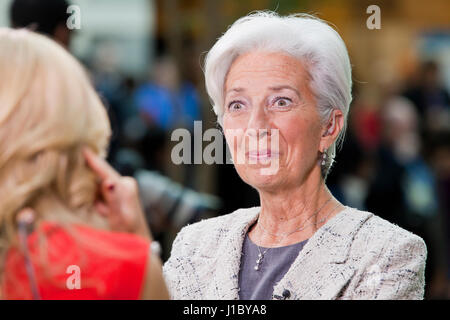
[[258, 284]]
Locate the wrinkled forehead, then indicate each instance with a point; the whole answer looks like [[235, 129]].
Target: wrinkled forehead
[[265, 69]]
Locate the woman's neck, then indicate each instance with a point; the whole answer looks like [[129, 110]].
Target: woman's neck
[[306, 207]]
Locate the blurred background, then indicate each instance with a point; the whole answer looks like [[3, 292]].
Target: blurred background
[[145, 58]]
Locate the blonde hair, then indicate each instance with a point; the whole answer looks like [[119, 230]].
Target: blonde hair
[[49, 112]]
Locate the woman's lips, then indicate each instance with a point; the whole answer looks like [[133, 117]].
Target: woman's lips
[[262, 155]]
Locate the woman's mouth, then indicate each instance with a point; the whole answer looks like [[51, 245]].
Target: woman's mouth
[[262, 155]]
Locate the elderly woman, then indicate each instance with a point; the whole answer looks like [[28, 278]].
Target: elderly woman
[[283, 84]]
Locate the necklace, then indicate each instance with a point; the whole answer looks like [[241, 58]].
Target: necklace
[[262, 254], [301, 228]]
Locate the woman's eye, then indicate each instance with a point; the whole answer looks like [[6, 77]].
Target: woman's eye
[[283, 102], [235, 106]]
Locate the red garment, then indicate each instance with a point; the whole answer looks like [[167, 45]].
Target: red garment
[[111, 265]]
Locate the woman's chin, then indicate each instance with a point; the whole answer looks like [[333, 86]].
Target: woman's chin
[[261, 177]]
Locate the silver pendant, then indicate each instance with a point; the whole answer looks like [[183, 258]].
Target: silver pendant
[[258, 261]]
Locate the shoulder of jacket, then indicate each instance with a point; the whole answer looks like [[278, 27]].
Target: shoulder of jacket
[[210, 231], [378, 232], [226, 220]]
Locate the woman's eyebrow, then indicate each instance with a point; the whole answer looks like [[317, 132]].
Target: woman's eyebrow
[[238, 90], [274, 88], [279, 88]]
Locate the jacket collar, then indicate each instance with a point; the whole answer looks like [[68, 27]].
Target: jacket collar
[[226, 282], [309, 277]]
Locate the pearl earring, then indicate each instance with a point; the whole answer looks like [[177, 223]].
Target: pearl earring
[[324, 158]]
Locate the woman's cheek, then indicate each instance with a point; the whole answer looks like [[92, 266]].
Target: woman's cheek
[[297, 136], [233, 140], [233, 128]]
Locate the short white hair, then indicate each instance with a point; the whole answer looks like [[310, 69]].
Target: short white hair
[[302, 36]]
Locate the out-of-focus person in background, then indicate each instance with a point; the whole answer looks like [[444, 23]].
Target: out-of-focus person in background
[[166, 102], [48, 17], [438, 155], [59, 215], [430, 98], [290, 75], [403, 188]]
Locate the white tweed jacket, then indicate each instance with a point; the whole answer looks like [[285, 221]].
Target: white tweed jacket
[[354, 255]]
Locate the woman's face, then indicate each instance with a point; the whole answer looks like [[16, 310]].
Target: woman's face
[[270, 121]]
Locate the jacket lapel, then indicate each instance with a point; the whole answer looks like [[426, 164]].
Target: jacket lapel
[[225, 284], [320, 271]]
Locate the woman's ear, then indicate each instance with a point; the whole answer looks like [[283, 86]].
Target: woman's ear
[[331, 130]]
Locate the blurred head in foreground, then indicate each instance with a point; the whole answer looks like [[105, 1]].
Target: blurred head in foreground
[[49, 113]]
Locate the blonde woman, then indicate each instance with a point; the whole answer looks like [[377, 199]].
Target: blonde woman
[[71, 239]]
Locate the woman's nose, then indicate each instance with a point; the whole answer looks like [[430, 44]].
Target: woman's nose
[[258, 124]]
